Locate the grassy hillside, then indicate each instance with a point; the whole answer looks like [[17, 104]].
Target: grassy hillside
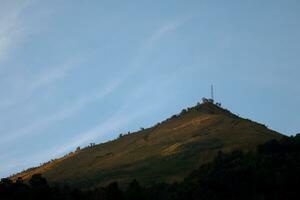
[[166, 152]]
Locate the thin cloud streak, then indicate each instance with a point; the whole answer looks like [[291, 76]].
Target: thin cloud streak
[[159, 33], [150, 42], [11, 29], [52, 76], [48, 77], [75, 107]]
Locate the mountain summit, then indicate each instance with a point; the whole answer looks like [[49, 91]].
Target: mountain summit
[[167, 151]]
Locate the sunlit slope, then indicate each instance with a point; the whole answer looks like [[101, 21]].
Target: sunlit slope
[[165, 152]]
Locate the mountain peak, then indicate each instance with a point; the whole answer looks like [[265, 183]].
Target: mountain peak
[[211, 108], [167, 151], [208, 107]]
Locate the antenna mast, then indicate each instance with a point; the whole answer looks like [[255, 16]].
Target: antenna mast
[[212, 91]]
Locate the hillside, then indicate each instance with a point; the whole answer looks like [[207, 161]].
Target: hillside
[[167, 151]]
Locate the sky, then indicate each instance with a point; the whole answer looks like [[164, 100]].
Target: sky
[[77, 72]]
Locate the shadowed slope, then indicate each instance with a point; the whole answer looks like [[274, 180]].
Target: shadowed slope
[[166, 152]]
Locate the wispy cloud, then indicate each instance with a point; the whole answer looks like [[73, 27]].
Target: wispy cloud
[[25, 91], [69, 111], [157, 35], [14, 28], [162, 31], [51, 75], [11, 28]]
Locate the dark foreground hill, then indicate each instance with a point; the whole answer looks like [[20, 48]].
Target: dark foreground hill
[[166, 152], [270, 173]]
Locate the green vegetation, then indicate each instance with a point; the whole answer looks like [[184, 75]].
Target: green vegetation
[[166, 152], [272, 172]]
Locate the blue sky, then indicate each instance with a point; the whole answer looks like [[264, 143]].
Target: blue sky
[[74, 72]]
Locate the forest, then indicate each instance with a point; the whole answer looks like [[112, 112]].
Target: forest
[[272, 172]]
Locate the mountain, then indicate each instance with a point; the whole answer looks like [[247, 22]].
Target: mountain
[[166, 152]]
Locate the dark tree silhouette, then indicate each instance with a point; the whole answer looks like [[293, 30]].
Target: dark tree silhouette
[[37, 181], [113, 192], [134, 191]]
